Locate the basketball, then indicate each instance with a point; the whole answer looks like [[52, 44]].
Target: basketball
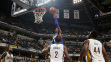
[[52, 10]]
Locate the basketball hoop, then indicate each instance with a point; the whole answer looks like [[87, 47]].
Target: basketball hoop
[[39, 13]]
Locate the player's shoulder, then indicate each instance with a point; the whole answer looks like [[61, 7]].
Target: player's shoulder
[[49, 45], [5, 53], [86, 41], [99, 41]]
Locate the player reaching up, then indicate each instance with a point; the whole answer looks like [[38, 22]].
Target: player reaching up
[[57, 30], [95, 47], [56, 51]]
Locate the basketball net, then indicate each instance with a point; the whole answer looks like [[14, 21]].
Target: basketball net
[[39, 13]]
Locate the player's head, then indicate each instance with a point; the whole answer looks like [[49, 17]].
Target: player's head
[[10, 50], [93, 34], [56, 30], [58, 39]]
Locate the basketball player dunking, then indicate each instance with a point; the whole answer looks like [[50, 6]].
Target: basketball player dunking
[[7, 56], [57, 30], [56, 51], [96, 49]]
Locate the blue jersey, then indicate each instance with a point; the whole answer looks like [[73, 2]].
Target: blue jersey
[[55, 37]]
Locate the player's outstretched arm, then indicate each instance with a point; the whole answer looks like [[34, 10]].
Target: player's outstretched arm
[[66, 54], [3, 55], [59, 30], [105, 54], [86, 44], [56, 21], [45, 50]]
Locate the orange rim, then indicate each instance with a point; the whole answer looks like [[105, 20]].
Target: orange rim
[[40, 12]]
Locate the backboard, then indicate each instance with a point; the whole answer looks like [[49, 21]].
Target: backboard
[[20, 7]]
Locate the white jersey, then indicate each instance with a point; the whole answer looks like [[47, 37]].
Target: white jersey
[[56, 52], [95, 48], [8, 58]]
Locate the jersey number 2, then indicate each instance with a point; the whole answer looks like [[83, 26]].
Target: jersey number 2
[[56, 53], [97, 50]]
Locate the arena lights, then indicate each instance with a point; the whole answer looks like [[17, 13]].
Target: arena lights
[[76, 1], [45, 2]]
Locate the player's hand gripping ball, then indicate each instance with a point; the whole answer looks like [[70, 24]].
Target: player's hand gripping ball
[[52, 10]]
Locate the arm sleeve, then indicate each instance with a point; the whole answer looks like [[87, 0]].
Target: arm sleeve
[[56, 22], [62, 42], [52, 42]]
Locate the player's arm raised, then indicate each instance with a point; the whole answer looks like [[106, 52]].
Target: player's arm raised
[[86, 44], [3, 55], [59, 30], [54, 15], [105, 54], [66, 54], [56, 22], [45, 50]]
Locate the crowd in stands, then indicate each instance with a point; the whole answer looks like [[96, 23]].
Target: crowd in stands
[[75, 49], [46, 30], [24, 43], [26, 60], [18, 23], [107, 48], [105, 34]]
